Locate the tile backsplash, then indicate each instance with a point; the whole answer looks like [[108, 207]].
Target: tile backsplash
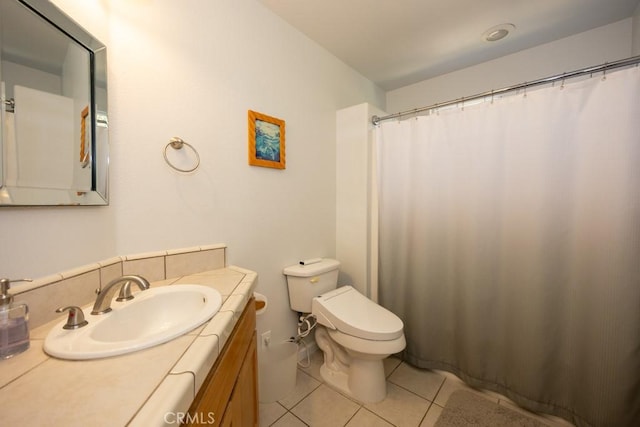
[[78, 286]]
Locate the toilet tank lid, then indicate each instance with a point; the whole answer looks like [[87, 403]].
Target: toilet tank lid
[[299, 270]]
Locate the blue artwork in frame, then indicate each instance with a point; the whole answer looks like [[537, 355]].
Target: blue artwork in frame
[[266, 141]]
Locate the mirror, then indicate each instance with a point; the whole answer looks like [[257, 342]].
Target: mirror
[[53, 109]]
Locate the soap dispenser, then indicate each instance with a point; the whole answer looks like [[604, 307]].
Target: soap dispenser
[[14, 328]]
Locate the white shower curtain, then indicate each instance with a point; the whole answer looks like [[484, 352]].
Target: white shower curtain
[[510, 245]]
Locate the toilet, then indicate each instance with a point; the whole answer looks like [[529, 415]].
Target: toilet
[[354, 333]]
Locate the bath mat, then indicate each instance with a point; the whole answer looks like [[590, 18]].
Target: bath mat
[[464, 409]]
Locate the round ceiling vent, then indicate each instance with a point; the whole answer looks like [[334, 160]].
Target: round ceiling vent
[[498, 32]]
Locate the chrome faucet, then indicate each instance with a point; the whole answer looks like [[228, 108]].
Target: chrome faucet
[[105, 295]]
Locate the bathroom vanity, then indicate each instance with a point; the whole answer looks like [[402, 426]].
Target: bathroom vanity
[[205, 377], [231, 387]]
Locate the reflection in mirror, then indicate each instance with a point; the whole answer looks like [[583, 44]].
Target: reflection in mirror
[[53, 108]]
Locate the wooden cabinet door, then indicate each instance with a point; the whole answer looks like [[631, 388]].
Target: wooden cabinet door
[[245, 394], [227, 419], [230, 391]]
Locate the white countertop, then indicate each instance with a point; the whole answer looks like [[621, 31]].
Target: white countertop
[[145, 388]]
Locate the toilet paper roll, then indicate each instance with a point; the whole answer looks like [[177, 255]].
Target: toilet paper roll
[[261, 303], [310, 261]]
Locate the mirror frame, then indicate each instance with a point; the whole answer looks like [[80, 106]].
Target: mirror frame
[[98, 196]]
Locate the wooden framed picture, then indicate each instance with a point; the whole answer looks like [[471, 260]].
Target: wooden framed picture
[[266, 141]]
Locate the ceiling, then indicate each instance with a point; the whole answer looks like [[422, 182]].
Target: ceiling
[[395, 43]]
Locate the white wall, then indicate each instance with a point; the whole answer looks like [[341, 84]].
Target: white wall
[[193, 69], [356, 200], [29, 77], [604, 44]]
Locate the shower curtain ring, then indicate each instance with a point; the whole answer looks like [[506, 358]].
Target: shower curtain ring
[[604, 72]]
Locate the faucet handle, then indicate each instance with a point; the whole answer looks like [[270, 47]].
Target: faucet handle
[[76, 317]]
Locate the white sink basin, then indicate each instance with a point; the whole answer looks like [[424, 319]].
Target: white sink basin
[[154, 316]]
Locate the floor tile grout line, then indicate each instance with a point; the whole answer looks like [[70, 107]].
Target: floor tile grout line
[[283, 415], [280, 417], [297, 417], [305, 396], [416, 394], [361, 405], [394, 369], [425, 414], [380, 416], [354, 414], [444, 380], [432, 402]]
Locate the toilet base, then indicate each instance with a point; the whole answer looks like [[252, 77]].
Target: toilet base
[[362, 379], [335, 379], [364, 388]]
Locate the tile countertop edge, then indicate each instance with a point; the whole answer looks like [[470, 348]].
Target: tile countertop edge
[[174, 395]]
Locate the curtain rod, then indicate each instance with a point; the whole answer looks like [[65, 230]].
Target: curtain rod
[[634, 60]]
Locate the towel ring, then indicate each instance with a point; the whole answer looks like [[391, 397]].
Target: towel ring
[[177, 143]]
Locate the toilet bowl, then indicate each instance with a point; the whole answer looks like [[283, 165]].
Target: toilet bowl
[[354, 333], [356, 336]]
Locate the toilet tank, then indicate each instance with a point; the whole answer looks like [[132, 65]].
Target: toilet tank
[[308, 281]]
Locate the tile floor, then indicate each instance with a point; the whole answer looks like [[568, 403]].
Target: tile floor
[[415, 398]]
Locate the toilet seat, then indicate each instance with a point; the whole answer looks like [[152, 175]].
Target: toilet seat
[[367, 348], [348, 311]]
